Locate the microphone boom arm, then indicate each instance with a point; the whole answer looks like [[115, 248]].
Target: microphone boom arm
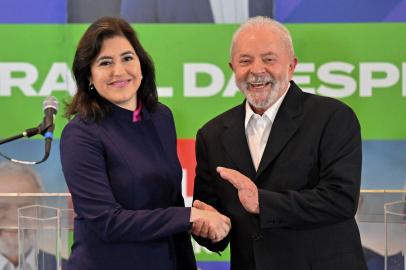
[[26, 133], [46, 128]]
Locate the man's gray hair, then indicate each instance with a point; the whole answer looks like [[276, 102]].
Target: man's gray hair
[[10, 168], [260, 21]]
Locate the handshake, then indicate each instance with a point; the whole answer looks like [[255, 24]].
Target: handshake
[[208, 222]]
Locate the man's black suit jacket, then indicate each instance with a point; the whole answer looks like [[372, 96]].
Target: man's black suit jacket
[[308, 181]]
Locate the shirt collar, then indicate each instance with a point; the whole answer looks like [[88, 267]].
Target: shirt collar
[[137, 116], [270, 112], [30, 259], [5, 264]]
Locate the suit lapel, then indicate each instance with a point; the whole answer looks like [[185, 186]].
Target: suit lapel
[[235, 143], [284, 126]]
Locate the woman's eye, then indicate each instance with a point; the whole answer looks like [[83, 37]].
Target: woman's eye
[[128, 58], [104, 63]]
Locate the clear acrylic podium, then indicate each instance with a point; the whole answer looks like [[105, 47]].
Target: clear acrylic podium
[[381, 222], [395, 232], [38, 228]]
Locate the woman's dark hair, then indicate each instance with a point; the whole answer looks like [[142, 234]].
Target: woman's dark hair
[[88, 103]]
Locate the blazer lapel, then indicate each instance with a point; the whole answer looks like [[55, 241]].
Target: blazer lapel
[[284, 126], [235, 143]]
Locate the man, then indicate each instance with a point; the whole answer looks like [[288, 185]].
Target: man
[[15, 178], [284, 166]]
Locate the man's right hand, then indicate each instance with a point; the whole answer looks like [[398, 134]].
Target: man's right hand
[[208, 222]]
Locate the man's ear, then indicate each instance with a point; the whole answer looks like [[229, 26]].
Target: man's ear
[[231, 66], [292, 67], [293, 64]]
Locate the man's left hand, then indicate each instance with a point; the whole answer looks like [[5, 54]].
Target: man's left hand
[[247, 190]]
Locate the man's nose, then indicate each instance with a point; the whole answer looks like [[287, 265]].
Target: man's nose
[[257, 67]]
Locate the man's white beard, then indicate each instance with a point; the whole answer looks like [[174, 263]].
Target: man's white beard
[[262, 100]]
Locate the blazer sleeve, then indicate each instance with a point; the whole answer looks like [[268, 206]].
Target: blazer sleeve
[[84, 167], [204, 191], [185, 258], [335, 197]]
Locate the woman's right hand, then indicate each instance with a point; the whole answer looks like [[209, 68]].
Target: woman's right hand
[[208, 222]]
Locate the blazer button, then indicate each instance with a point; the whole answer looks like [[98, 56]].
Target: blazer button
[[257, 236]]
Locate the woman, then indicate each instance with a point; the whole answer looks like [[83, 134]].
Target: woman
[[119, 159]]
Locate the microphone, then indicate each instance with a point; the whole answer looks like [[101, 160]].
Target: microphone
[[46, 128], [50, 107]]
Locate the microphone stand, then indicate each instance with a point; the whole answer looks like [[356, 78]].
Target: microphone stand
[[41, 129], [46, 128], [27, 133]]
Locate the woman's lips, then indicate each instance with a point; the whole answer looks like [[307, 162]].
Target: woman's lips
[[120, 83]]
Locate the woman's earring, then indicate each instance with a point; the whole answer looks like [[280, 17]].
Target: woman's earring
[[91, 86]]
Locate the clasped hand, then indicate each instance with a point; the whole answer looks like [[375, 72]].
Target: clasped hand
[[208, 222]]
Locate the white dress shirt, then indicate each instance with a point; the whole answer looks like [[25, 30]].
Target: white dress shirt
[[258, 127], [5, 264]]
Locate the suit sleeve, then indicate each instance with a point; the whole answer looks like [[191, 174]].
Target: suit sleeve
[[84, 167], [335, 197], [204, 191], [185, 258]]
